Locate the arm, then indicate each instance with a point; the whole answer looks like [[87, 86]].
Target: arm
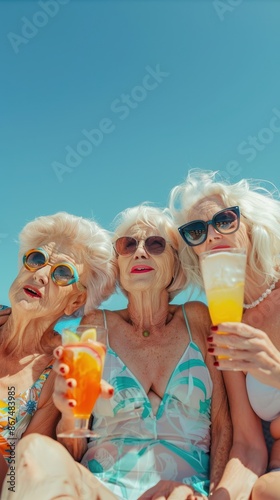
[[221, 427], [250, 350], [248, 455], [5, 312], [47, 415], [3, 470]]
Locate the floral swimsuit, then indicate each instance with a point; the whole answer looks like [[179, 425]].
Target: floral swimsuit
[[16, 412], [135, 448]]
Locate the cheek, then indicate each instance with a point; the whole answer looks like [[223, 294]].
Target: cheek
[[242, 237], [123, 273], [199, 248], [166, 270]]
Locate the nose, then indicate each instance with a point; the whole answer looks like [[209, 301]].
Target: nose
[[140, 252], [213, 234], [41, 276]]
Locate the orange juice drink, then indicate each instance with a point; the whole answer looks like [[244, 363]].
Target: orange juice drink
[[85, 361], [84, 355]]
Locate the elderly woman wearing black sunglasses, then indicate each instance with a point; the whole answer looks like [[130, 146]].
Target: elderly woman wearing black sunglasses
[[169, 412], [214, 214], [67, 262]]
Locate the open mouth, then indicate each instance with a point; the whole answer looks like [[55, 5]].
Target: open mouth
[[32, 292]]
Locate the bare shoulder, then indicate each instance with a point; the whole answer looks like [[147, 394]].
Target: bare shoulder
[[198, 313], [101, 316], [199, 321], [95, 317]]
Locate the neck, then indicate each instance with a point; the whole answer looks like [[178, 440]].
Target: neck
[[23, 336], [148, 312]]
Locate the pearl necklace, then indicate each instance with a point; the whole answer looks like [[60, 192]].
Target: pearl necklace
[[263, 295]]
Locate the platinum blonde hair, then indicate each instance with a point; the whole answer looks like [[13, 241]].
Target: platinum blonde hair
[[259, 206], [159, 220], [87, 241]]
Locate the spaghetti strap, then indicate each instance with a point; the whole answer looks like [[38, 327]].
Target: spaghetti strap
[[186, 321], [104, 318]]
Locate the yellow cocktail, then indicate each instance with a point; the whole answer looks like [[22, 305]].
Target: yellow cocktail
[[223, 274], [84, 356], [226, 304]]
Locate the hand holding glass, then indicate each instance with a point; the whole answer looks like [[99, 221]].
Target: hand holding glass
[[85, 358], [223, 272]]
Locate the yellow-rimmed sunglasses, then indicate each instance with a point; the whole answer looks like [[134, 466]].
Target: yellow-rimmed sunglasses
[[62, 273]]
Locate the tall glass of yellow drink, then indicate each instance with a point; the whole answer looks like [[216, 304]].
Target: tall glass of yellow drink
[[223, 272], [85, 356]]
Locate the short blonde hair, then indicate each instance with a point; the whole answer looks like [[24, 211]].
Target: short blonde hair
[[88, 241], [259, 206], [158, 219]]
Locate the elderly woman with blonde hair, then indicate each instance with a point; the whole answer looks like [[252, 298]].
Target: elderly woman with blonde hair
[[66, 262], [212, 213], [166, 429]]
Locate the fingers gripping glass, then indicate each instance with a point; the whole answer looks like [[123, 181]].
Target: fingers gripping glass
[[225, 222], [62, 274], [126, 245]]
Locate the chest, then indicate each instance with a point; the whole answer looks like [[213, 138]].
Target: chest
[[151, 360], [21, 374]]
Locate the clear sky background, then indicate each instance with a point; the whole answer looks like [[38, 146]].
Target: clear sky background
[[106, 104]]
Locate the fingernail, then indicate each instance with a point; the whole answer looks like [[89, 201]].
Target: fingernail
[[209, 339], [214, 328], [70, 383], [62, 370], [111, 392], [71, 404], [211, 349], [216, 363]]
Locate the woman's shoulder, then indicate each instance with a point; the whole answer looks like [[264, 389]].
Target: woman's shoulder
[[194, 307], [99, 316]]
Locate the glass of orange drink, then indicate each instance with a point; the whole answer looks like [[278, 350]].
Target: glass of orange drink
[[85, 356], [223, 271]]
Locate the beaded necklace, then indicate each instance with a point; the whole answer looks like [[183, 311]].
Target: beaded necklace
[[263, 295]]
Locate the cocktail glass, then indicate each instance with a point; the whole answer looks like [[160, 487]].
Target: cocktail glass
[[223, 272], [85, 357]]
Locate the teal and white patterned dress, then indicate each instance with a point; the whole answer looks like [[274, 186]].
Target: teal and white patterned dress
[[135, 448]]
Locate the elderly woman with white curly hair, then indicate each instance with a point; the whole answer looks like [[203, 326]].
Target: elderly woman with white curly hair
[[66, 262]]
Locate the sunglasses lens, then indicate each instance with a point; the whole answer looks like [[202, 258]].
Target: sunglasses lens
[[126, 245], [194, 233], [35, 260], [63, 275], [155, 245], [227, 221]]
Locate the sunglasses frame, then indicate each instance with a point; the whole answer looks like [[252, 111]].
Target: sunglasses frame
[[43, 252], [137, 244], [206, 224]]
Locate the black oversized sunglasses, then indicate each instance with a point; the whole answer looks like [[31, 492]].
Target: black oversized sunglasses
[[225, 222], [126, 245]]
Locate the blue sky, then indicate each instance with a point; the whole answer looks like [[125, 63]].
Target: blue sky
[[106, 104]]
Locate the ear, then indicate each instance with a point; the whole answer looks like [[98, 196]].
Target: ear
[[77, 301]]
